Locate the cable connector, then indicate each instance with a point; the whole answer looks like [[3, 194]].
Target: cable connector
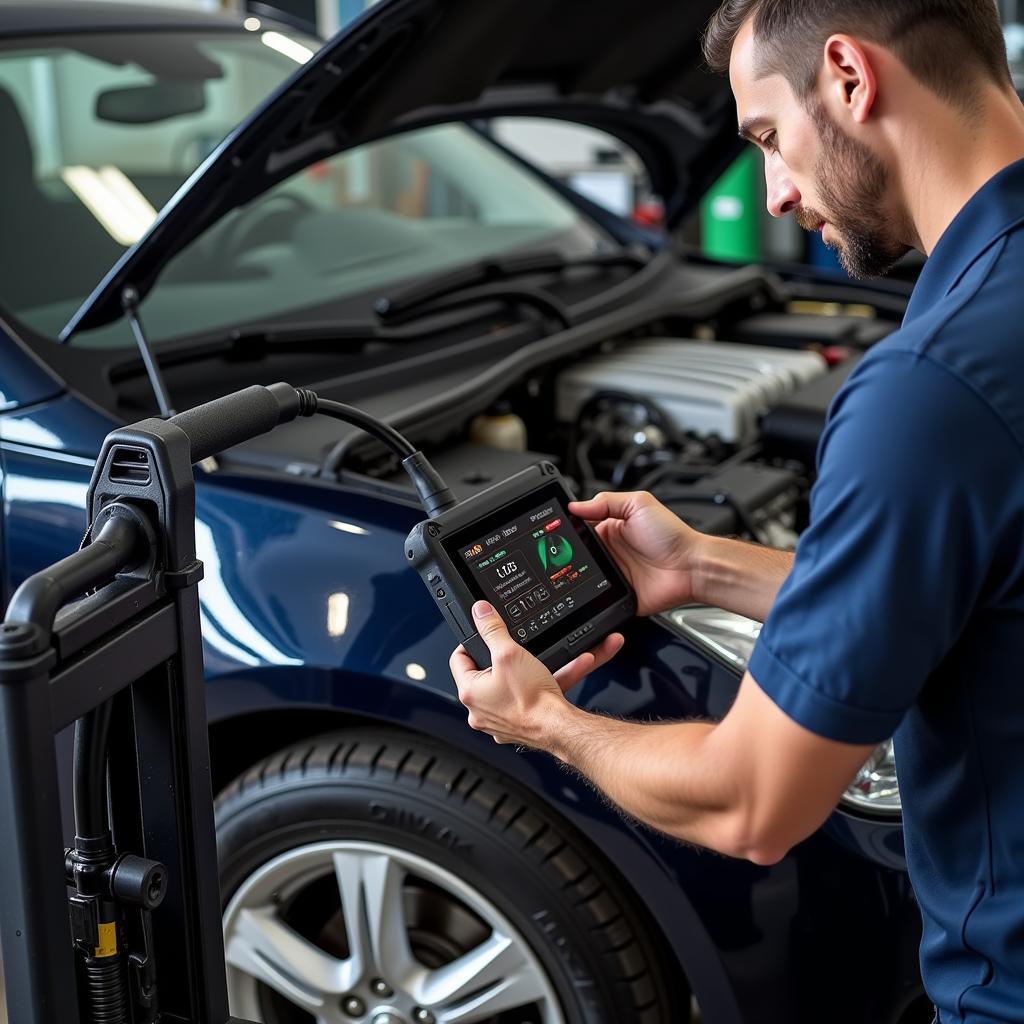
[[434, 493], [309, 403]]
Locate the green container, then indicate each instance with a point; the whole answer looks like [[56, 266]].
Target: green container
[[730, 218]]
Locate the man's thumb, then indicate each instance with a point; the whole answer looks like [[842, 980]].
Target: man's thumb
[[490, 626]]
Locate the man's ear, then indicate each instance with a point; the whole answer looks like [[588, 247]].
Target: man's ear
[[848, 79]]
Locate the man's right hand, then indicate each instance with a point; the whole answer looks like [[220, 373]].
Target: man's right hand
[[655, 550]]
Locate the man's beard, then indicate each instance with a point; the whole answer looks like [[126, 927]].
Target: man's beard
[[854, 184]]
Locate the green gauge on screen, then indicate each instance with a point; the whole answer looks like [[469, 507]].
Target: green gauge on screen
[[554, 552]]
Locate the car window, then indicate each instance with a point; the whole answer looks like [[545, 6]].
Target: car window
[[99, 132]]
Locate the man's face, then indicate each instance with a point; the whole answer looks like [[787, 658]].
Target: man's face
[[829, 181]]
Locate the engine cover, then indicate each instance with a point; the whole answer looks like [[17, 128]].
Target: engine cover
[[708, 388]]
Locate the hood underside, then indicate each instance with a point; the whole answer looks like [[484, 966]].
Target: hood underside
[[632, 70]]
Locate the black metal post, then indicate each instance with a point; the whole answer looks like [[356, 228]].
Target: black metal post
[[34, 933]]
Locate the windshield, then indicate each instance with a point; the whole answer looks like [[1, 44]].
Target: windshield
[[345, 228], [109, 144], [99, 131]]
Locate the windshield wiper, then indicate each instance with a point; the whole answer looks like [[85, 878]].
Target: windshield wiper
[[253, 341], [509, 294], [402, 301]]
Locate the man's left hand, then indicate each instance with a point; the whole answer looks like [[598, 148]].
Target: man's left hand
[[517, 700]]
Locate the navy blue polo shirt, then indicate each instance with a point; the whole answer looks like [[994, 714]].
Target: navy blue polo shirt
[[904, 612]]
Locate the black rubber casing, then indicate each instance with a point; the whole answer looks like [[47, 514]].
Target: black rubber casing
[[451, 586]]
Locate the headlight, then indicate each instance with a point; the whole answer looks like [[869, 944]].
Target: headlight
[[875, 788], [732, 638]]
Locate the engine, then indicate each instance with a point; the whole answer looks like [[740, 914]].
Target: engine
[[707, 389], [724, 433]]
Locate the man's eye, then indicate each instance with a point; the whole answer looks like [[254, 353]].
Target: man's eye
[[770, 141]]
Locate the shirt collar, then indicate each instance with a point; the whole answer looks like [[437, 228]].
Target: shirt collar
[[996, 208]]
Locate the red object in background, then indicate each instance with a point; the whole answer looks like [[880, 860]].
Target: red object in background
[[319, 170], [836, 354], [649, 215], [553, 525]]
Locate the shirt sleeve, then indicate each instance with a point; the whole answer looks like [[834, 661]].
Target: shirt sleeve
[[904, 520]]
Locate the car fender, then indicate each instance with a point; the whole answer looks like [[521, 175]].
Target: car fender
[[310, 609], [335, 699]]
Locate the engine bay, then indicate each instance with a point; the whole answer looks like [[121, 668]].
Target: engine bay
[[723, 431]]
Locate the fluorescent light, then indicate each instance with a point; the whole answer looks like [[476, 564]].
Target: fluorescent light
[[289, 47], [113, 200], [252, 24], [120, 185], [337, 614], [348, 528]]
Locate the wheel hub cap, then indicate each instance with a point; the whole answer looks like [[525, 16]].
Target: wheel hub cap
[[264, 951]]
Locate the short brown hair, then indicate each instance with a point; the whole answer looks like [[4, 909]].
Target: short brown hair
[[937, 40]]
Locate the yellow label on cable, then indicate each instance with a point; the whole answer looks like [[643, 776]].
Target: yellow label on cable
[[108, 940]]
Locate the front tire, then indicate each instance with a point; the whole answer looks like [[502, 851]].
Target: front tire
[[370, 875]]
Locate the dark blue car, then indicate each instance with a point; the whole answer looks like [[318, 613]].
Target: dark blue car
[[366, 234]]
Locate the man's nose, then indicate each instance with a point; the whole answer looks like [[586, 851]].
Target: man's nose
[[783, 195]]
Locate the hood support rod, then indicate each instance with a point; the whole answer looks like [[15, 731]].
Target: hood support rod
[[130, 305]]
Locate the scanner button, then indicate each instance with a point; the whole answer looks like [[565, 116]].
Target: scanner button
[[441, 592], [433, 579], [521, 632]]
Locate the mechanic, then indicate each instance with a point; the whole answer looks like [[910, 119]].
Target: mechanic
[[888, 125]]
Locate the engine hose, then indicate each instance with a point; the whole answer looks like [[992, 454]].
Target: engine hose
[[106, 990]]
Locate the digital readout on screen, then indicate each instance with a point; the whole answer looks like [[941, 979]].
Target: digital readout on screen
[[535, 570]]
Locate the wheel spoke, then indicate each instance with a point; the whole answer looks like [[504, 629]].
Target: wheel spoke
[[490, 979], [372, 903], [263, 946]]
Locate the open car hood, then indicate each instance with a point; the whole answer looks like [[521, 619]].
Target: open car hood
[[631, 69]]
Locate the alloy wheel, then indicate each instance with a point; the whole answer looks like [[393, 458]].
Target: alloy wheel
[[348, 932]]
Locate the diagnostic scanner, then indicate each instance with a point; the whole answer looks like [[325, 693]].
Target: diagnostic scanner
[[545, 571]]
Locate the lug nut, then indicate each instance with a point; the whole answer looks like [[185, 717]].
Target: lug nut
[[353, 1006], [422, 1016], [379, 987]]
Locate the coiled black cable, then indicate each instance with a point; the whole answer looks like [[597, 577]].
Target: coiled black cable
[[106, 989]]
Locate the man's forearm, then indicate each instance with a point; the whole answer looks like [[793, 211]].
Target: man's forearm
[[742, 578], [662, 775]]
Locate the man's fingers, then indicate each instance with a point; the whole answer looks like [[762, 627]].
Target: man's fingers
[[607, 649], [569, 675], [491, 626], [607, 505], [461, 663], [579, 668]]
